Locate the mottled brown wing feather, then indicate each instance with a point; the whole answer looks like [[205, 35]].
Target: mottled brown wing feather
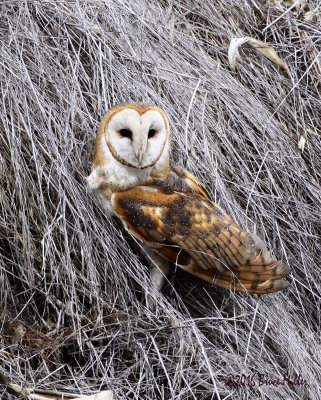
[[199, 236], [197, 187]]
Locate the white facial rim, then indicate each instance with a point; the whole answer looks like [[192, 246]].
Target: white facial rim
[[139, 125]]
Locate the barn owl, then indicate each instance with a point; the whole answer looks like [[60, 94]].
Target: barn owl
[[169, 210]]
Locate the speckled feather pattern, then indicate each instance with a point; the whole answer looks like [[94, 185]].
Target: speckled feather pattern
[[175, 216], [169, 210]]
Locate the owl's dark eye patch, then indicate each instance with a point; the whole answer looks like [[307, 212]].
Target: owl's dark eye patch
[[125, 133], [151, 133]]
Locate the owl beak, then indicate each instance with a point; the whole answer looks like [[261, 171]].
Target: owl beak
[[140, 153], [139, 156]]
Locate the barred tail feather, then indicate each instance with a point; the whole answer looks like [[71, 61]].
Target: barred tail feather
[[260, 279]]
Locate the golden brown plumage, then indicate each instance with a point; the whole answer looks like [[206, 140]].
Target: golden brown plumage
[[169, 210], [175, 216]]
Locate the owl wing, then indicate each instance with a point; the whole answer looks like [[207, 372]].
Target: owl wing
[[197, 187], [175, 217]]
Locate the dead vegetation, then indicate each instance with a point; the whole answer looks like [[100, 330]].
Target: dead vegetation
[[72, 292]]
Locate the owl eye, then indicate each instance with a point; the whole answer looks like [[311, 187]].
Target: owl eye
[[125, 133], [151, 133]]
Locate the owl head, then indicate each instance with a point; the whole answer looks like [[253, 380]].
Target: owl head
[[132, 143], [135, 135]]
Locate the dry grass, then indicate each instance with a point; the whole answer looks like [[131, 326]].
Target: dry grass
[[71, 289]]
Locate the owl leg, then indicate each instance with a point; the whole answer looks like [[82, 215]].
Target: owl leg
[[159, 269]]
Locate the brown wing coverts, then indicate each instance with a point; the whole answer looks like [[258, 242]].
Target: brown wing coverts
[[175, 217]]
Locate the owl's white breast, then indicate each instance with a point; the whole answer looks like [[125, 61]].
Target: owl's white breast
[[113, 176]]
